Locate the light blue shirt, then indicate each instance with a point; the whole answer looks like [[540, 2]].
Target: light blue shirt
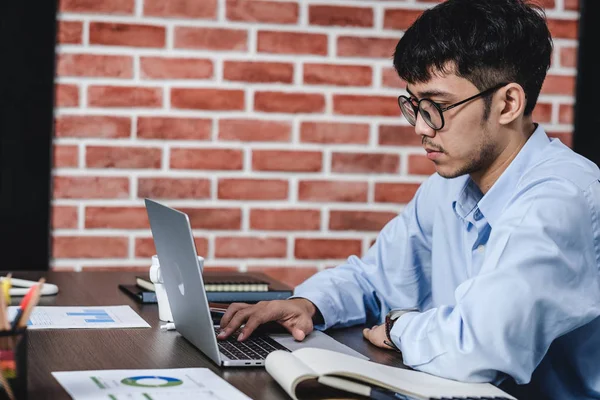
[[507, 283]]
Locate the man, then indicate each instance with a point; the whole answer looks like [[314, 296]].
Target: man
[[491, 272]]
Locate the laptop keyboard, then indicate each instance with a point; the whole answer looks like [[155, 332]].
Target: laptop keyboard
[[253, 348]]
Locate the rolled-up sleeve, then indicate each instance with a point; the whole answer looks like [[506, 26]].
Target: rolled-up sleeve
[[539, 280], [395, 272]]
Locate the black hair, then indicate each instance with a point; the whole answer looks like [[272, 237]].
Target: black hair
[[488, 41]]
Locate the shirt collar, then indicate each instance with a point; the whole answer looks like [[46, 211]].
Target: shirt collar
[[494, 201]]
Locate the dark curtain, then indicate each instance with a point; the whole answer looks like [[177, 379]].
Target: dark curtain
[[586, 137], [28, 32]]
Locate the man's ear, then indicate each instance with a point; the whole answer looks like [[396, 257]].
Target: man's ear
[[512, 102]]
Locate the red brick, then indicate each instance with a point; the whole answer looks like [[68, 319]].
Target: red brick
[[174, 128], [547, 4], [400, 193], [211, 38], [69, 32], [173, 188], [400, 19], [359, 220], [341, 75], [89, 187], [64, 217], [398, 135], [260, 72], [250, 247], [115, 34], [122, 157], [340, 16], [253, 189], [175, 68], [315, 249], [390, 79], [359, 46], [289, 102], [334, 133], [66, 95], [285, 220], [420, 165], [93, 126], [144, 247], [287, 161], [262, 11], [325, 191], [556, 84], [367, 163], [292, 43], [565, 114], [565, 137], [214, 218], [542, 112], [572, 5], [89, 247], [94, 65], [248, 130], [116, 218], [98, 7], [366, 105], [207, 99], [568, 57], [66, 156], [124, 96], [563, 28], [291, 276], [181, 8], [208, 159]]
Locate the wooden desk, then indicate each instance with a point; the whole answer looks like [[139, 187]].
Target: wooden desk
[[89, 349]]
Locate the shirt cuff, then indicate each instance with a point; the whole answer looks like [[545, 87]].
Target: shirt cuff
[[400, 326], [323, 305]]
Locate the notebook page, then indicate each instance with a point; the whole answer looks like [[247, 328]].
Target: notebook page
[[288, 370], [398, 379]]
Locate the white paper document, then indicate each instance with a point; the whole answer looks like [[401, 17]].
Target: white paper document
[[148, 384], [82, 317]]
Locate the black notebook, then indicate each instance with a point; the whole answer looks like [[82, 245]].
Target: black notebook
[[233, 286]]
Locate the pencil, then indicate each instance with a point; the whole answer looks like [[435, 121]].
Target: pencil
[[35, 297]]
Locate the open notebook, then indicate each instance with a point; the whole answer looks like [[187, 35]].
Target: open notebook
[[309, 370]]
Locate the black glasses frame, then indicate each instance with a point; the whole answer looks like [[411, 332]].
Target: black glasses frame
[[417, 108]]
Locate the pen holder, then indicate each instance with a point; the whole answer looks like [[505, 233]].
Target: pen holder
[[13, 364]]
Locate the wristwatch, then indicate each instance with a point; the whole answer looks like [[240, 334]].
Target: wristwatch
[[390, 319]]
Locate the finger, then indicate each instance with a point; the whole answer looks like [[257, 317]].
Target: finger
[[298, 334], [231, 310], [298, 327], [253, 322], [366, 332], [238, 320]]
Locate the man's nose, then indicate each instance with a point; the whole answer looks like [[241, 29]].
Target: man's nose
[[421, 127]]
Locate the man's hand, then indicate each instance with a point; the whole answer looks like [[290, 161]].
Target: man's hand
[[293, 314], [376, 335]]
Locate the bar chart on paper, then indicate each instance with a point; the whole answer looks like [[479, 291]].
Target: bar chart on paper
[[152, 384], [82, 317]]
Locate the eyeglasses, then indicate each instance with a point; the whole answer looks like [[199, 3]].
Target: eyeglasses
[[431, 112]]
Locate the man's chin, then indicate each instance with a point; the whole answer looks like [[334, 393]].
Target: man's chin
[[445, 171]]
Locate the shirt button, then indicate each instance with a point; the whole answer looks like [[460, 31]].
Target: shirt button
[[481, 248], [478, 215]]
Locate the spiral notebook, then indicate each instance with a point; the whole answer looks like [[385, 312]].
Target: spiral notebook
[[230, 286]]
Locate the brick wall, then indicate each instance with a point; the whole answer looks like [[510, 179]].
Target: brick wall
[[274, 124]]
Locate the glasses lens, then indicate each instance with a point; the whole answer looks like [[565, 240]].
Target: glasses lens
[[407, 110], [431, 114]]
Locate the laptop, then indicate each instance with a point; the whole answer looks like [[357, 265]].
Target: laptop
[[182, 275]]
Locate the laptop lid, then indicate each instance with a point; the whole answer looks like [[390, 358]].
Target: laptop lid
[[182, 276]]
